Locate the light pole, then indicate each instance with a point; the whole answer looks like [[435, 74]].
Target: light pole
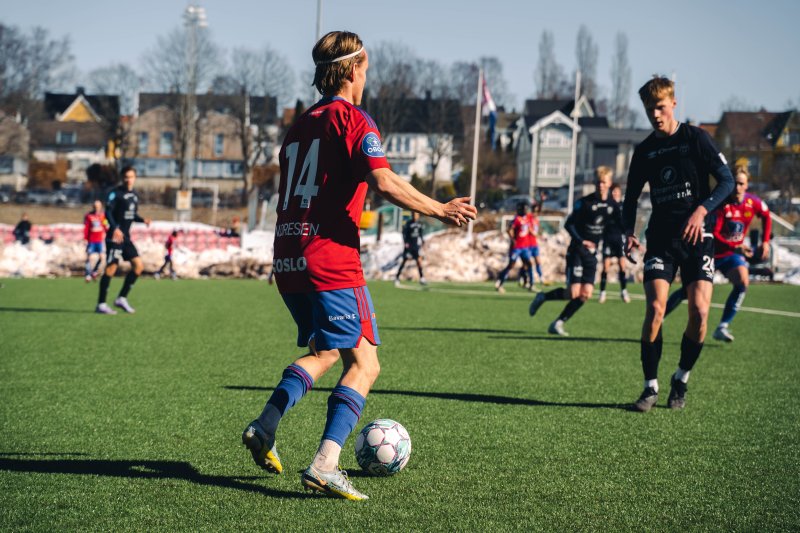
[[194, 18]]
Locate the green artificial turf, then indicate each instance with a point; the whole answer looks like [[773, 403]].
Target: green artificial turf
[[133, 422]]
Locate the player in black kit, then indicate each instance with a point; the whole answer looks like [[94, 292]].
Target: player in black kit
[[614, 248], [121, 211], [412, 242], [675, 160], [586, 225]]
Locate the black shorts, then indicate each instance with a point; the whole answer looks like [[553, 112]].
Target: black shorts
[[665, 256], [614, 247], [120, 252], [581, 265], [411, 253]]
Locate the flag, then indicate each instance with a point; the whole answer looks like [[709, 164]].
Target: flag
[[489, 108]]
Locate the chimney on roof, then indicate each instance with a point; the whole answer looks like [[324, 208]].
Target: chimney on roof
[[427, 94], [80, 90]]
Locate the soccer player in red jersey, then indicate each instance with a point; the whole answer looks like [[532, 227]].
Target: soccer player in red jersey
[[533, 244], [519, 233], [328, 159], [731, 223], [95, 226], [169, 245]]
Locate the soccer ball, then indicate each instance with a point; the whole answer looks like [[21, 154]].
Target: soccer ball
[[383, 447]]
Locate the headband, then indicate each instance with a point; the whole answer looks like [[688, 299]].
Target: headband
[[342, 58]]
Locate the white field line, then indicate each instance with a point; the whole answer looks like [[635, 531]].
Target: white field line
[[530, 296]]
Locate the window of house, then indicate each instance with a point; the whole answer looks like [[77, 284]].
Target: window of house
[[66, 137], [400, 168], [219, 144], [165, 145], [142, 142], [407, 145], [553, 138], [791, 138]]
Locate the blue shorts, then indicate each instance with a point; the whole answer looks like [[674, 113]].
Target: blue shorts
[[334, 319], [94, 248], [520, 253], [724, 264], [533, 251]]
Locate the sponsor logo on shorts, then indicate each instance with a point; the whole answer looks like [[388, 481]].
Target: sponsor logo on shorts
[[577, 271], [654, 263], [290, 264], [371, 145], [345, 316]]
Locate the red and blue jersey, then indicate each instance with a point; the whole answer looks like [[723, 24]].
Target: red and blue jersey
[[324, 162], [533, 224], [733, 221], [94, 227], [170, 244], [521, 228]]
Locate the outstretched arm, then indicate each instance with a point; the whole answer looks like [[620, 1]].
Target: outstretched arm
[[398, 191]]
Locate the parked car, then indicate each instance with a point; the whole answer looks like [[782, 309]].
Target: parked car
[[41, 197]]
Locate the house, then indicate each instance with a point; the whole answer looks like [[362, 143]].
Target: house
[[420, 135], [78, 128], [543, 147], [14, 147], [217, 154], [761, 139]]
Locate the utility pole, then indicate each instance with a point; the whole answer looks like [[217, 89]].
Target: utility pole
[[319, 20], [576, 114]]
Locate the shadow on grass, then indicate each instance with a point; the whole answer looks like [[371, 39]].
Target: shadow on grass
[[465, 397], [43, 310], [138, 469], [453, 330], [564, 339]]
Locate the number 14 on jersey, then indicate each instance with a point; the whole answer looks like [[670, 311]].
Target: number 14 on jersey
[[306, 187]]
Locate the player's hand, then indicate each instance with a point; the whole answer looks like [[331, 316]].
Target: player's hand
[[764, 250], [458, 211], [631, 244], [117, 237], [693, 229], [589, 245], [746, 251]]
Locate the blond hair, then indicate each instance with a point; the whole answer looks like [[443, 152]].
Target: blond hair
[[655, 89], [741, 169], [603, 171], [330, 73]]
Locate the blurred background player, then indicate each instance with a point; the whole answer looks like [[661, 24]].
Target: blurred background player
[[675, 160], [94, 232], [614, 248], [122, 209], [519, 232], [169, 245], [412, 242], [731, 224], [22, 231], [586, 225], [533, 246], [329, 157]]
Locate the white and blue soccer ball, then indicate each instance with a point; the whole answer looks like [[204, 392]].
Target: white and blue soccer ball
[[383, 447]]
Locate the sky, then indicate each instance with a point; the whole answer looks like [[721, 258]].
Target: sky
[[715, 49]]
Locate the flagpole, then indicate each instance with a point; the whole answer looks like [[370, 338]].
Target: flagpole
[[475, 148]]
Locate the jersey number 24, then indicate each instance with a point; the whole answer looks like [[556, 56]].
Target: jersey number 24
[[306, 187]]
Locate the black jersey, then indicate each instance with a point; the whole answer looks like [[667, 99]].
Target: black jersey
[[614, 230], [589, 218], [677, 168], [122, 208], [412, 233]]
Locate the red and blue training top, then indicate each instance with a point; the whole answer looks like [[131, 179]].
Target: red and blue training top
[[94, 227], [324, 162], [733, 220]]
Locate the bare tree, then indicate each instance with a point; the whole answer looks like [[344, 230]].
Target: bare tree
[[736, 103], [464, 79], [392, 81], [620, 112], [262, 74], [30, 64], [549, 75], [119, 79], [586, 56], [183, 61]]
